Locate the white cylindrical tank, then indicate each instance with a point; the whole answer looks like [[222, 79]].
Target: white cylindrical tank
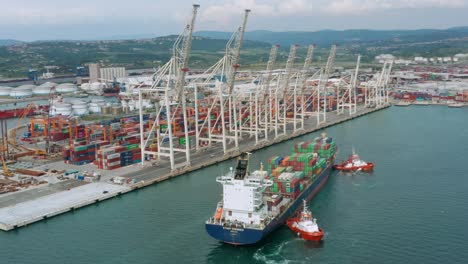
[[48, 85], [22, 91], [66, 88], [62, 109], [96, 104], [94, 108], [41, 90], [5, 90], [80, 108]]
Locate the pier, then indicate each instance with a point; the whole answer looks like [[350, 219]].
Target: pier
[[24, 208]]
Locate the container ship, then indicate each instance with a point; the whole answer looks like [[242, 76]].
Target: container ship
[[255, 204]]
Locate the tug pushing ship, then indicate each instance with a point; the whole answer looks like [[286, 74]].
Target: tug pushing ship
[[305, 225]]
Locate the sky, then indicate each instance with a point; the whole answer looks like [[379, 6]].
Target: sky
[[109, 19]]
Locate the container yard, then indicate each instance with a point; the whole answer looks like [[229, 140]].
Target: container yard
[[181, 124]]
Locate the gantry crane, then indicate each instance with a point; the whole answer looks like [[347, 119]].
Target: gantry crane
[[224, 100], [169, 82]]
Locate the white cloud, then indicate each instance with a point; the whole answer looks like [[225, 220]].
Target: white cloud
[[359, 6], [297, 7], [226, 12], [24, 16]]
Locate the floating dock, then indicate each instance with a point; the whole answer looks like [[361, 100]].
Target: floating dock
[[21, 214]]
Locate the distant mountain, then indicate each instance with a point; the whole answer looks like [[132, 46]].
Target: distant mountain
[[9, 42], [328, 37]]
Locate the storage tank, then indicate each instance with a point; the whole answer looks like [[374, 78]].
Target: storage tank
[[96, 104], [66, 88], [62, 109], [106, 109], [5, 90], [22, 91], [116, 110], [41, 90], [94, 108], [80, 108], [48, 85]]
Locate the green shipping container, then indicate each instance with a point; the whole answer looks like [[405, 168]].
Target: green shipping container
[[183, 140]]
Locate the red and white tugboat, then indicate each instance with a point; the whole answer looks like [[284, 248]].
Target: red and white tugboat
[[305, 226], [354, 163]]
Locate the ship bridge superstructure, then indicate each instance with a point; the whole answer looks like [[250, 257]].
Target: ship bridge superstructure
[[243, 195]]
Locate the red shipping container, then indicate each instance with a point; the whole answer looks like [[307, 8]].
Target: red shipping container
[[113, 167], [113, 160], [137, 150]]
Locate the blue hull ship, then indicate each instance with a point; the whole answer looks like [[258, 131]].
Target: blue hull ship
[[243, 232]]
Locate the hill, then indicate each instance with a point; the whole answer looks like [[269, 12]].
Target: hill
[[355, 36], [9, 42], [142, 53]]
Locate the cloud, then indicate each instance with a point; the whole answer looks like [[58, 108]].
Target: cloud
[[46, 15], [359, 6], [225, 13]]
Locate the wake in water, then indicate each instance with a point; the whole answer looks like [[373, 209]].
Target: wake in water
[[296, 250]]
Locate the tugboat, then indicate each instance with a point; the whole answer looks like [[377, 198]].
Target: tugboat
[[305, 226], [354, 163]]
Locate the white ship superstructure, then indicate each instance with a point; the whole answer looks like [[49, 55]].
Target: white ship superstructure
[[243, 196]]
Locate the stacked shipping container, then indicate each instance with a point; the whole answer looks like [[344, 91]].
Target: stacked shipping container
[[292, 173]]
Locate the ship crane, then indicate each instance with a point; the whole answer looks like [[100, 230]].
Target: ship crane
[[169, 83]]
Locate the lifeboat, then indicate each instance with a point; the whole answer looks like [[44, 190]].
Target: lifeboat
[[306, 226], [354, 163]]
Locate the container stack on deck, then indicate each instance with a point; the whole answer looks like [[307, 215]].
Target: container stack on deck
[[290, 174]]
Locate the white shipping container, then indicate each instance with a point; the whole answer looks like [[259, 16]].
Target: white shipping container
[[113, 156]]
